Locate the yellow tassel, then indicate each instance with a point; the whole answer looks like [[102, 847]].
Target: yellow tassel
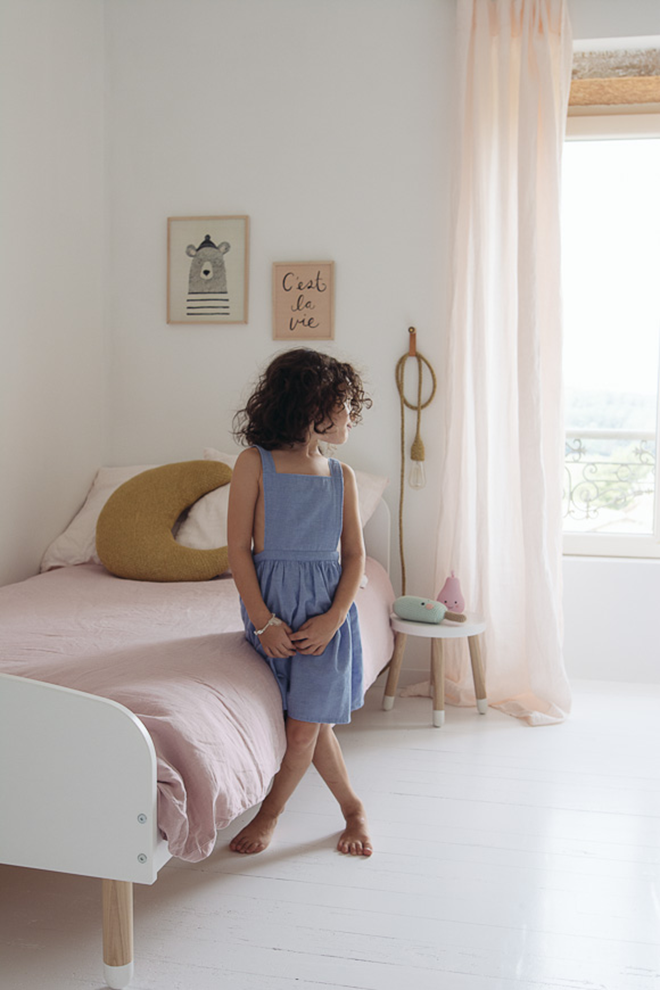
[[417, 449]]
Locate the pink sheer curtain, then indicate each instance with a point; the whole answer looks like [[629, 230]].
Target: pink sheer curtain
[[500, 525]]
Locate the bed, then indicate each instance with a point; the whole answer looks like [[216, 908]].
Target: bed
[[136, 722]]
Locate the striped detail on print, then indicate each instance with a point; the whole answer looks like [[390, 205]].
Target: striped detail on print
[[207, 304]]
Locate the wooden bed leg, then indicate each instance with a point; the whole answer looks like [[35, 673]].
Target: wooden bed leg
[[117, 933]]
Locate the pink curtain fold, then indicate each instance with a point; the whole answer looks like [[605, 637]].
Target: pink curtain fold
[[500, 521]]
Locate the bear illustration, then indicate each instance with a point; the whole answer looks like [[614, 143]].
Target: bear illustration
[[207, 281]]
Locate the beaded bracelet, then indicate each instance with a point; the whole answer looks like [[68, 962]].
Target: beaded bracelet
[[273, 621]]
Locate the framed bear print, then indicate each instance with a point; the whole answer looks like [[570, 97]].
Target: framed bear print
[[207, 269]]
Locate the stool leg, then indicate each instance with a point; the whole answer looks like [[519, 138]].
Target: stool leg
[[395, 670], [478, 674], [438, 676]]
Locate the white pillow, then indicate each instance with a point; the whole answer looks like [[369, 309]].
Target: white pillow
[[206, 524], [204, 527], [370, 490], [77, 544]]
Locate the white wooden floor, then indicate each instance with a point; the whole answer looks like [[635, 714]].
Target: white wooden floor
[[506, 857]]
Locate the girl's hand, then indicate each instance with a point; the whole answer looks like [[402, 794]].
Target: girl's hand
[[315, 634], [276, 641]]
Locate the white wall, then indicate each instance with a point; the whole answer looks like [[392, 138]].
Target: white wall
[[327, 123], [611, 606], [52, 378], [599, 19]]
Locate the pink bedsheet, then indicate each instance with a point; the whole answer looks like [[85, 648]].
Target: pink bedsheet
[[175, 655]]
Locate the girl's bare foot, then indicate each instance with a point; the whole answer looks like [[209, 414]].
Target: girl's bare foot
[[355, 840], [256, 836]]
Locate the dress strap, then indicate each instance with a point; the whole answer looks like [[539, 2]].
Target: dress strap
[[337, 475], [267, 462]]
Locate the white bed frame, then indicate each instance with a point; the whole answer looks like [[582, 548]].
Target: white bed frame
[[78, 789]]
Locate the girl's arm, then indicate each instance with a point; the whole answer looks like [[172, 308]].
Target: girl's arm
[[315, 634], [243, 497]]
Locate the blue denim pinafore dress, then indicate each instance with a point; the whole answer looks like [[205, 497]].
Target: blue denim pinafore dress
[[298, 572]]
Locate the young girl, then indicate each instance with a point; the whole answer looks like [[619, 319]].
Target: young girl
[[289, 510]]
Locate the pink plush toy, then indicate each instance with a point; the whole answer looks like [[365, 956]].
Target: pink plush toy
[[451, 595]]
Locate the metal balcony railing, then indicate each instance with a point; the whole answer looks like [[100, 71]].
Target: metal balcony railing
[[609, 472]]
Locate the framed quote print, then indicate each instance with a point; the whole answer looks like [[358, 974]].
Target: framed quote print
[[303, 300], [207, 269]]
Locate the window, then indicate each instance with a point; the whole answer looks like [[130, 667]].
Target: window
[[611, 287]]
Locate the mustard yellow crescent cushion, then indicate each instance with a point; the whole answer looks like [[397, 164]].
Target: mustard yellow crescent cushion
[[134, 530]]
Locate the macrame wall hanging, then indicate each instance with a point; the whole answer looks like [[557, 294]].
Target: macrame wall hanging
[[417, 474]]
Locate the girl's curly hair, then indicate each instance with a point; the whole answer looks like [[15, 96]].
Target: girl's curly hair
[[299, 388]]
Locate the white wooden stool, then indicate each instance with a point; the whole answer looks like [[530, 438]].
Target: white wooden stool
[[474, 625]]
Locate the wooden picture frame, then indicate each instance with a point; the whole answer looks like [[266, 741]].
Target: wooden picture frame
[[304, 300], [207, 269]]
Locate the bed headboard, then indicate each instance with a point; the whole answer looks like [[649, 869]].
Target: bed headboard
[[377, 535]]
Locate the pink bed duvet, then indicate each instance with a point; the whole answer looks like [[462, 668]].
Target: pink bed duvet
[[175, 655]]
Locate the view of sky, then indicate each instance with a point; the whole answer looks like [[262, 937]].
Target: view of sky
[[611, 265]]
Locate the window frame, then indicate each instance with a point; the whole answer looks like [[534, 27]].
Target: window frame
[[617, 123]]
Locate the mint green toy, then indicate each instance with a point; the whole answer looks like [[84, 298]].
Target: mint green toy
[[415, 609]]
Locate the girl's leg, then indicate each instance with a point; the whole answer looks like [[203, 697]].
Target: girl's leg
[[329, 761], [301, 742]]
